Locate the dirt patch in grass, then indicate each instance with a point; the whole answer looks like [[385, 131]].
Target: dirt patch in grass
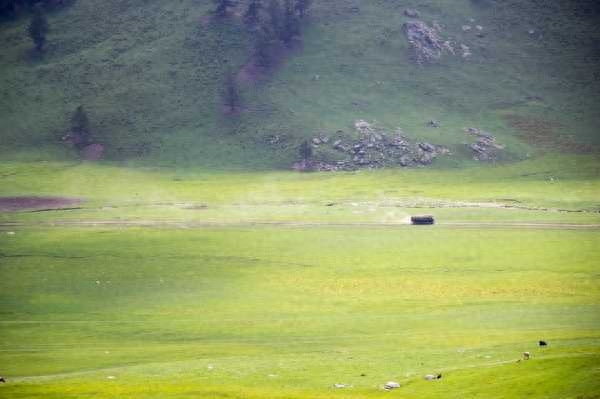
[[545, 135], [15, 204], [253, 72], [535, 131], [93, 152]]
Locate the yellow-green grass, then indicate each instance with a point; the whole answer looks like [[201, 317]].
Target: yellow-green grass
[[551, 189], [288, 312]]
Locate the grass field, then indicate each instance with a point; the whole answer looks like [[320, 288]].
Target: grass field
[[288, 312], [280, 285]]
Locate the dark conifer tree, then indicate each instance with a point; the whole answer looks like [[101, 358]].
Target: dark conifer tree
[[252, 15], [231, 94], [263, 46], [276, 18], [8, 8], [38, 27], [306, 150], [80, 127], [291, 25]]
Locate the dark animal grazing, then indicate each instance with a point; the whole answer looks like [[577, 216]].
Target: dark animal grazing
[[543, 343], [2, 380], [424, 219], [439, 377]]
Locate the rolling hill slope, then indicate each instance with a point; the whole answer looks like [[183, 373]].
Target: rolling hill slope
[[150, 75]]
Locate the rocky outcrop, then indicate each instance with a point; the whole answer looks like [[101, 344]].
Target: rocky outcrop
[[425, 41], [372, 148]]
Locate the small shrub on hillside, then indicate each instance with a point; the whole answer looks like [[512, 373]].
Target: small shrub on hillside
[[264, 47], [231, 94], [38, 28], [306, 150], [79, 134], [221, 7], [13, 8]]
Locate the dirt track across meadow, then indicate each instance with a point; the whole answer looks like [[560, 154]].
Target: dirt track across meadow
[[178, 224]]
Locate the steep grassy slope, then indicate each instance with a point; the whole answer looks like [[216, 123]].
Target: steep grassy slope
[[150, 72]]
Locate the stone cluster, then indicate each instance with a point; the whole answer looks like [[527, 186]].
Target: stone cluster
[[373, 148], [485, 148]]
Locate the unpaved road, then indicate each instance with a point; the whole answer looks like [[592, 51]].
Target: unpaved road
[[242, 224]]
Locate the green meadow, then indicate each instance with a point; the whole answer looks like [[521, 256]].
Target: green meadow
[[289, 312], [182, 284]]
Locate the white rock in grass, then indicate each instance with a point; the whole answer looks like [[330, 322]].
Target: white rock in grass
[[391, 385], [111, 377], [10, 233]]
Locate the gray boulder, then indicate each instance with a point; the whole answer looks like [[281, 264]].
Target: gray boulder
[[412, 13], [427, 147], [391, 385]]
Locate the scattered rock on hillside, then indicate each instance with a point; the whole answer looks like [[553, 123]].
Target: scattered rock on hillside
[[425, 41], [412, 13], [274, 139], [374, 148], [485, 148], [362, 126], [391, 385], [433, 123], [426, 147], [466, 51]]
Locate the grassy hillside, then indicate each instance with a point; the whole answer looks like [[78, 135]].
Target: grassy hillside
[[149, 73]]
